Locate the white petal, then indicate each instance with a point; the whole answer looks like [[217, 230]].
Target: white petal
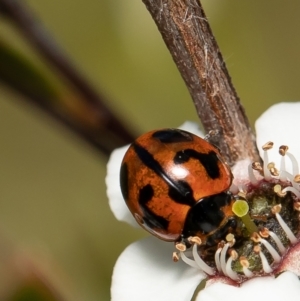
[[145, 271], [285, 287], [192, 127], [112, 180], [280, 124]]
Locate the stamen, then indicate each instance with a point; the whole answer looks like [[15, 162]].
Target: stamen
[[230, 242], [286, 175], [294, 163], [217, 257], [275, 210], [201, 264], [245, 264], [233, 256], [293, 190], [223, 258], [282, 151], [264, 232], [278, 242], [266, 267], [266, 147], [264, 240], [188, 261], [252, 177], [271, 250]]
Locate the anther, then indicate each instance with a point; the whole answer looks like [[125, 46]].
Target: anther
[[255, 237], [230, 239], [283, 149], [276, 209], [180, 246], [257, 166], [274, 172], [264, 232], [245, 265], [175, 257], [271, 165], [195, 240], [233, 254], [297, 178], [277, 189], [268, 146]]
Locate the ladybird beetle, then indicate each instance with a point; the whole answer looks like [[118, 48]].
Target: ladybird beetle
[[176, 185]]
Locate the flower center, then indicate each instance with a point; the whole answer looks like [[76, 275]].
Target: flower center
[[267, 216]]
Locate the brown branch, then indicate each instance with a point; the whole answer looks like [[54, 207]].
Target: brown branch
[[109, 132], [187, 34]]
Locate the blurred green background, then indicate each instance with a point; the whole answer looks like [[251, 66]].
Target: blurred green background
[[53, 206]]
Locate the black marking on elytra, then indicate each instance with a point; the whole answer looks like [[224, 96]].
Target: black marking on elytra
[[205, 217], [172, 136], [181, 187], [151, 219], [124, 181], [145, 195], [209, 161], [175, 195]]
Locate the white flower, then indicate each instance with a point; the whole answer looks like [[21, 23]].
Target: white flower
[[145, 269]]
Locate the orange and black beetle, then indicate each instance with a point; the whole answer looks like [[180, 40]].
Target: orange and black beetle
[[176, 185]]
